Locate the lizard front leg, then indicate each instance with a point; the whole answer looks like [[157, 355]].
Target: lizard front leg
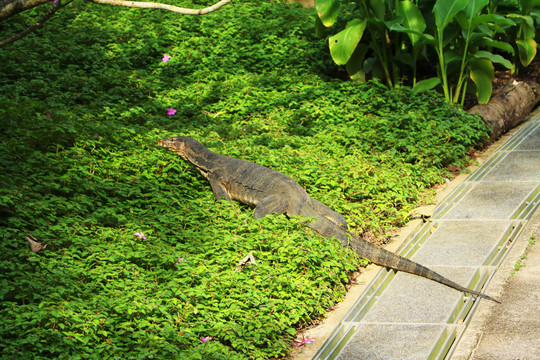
[[219, 190]]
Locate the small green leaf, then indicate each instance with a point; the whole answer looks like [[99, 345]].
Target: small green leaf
[[342, 44], [430, 39]]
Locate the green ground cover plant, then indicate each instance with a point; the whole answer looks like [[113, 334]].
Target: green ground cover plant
[[140, 261]]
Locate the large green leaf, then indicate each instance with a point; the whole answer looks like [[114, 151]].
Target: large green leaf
[[527, 51], [379, 9], [411, 19], [482, 74], [492, 18], [466, 19], [328, 11], [426, 84], [355, 65], [451, 56], [474, 7], [528, 5], [522, 19], [527, 31], [446, 10], [481, 54], [487, 42], [343, 43], [320, 29]]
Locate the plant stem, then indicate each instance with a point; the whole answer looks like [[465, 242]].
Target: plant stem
[[463, 93], [381, 56], [440, 53], [463, 62]]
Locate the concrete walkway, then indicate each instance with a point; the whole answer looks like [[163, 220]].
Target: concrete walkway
[[510, 330], [474, 239]]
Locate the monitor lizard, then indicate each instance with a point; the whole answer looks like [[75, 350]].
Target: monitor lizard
[[271, 192]]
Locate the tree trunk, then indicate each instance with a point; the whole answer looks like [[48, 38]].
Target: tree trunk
[[509, 107]]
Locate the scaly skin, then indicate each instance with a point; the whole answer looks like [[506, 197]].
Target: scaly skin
[[272, 192]]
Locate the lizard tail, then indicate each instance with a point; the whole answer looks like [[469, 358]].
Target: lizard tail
[[388, 259]]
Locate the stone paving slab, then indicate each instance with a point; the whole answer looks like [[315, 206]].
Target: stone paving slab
[[532, 142], [516, 166], [408, 342], [462, 243], [491, 201], [404, 300]]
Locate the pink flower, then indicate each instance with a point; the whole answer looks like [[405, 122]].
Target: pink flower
[[304, 341], [166, 58], [179, 259], [171, 111], [206, 338], [54, 1], [141, 235]]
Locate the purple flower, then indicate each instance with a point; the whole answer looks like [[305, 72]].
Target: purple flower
[[206, 338], [141, 235], [166, 58], [304, 341], [179, 259], [96, 134], [171, 111]]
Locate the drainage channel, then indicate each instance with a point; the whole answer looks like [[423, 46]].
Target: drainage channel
[[450, 331]]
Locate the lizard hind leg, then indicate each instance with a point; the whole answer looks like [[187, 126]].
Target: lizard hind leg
[[328, 213], [273, 204]]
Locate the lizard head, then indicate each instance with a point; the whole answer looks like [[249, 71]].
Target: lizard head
[[186, 147]]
